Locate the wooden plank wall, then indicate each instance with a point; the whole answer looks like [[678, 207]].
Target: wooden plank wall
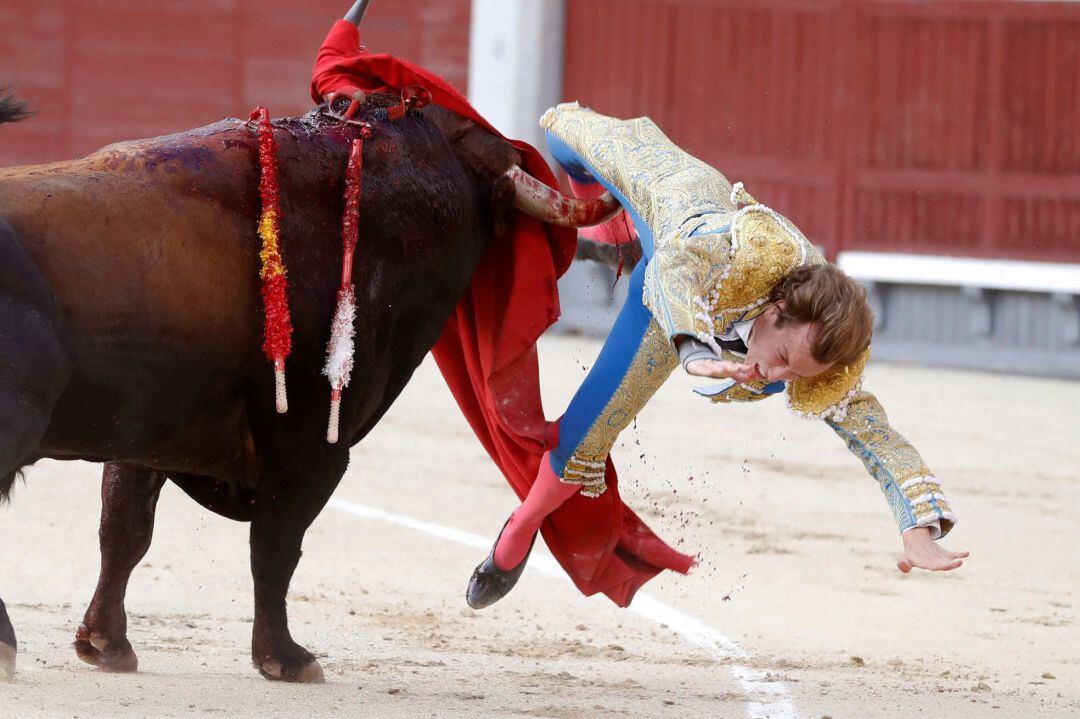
[[98, 72], [948, 127]]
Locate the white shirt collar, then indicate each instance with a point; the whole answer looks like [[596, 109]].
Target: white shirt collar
[[743, 329], [740, 330]]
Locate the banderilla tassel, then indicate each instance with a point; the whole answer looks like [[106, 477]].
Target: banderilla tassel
[[281, 398], [340, 348], [335, 416], [277, 327]]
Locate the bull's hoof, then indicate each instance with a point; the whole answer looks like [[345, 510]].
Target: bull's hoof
[[310, 673], [7, 662], [93, 648]]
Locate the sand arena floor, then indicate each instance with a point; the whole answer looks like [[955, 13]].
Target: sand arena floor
[[800, 610]]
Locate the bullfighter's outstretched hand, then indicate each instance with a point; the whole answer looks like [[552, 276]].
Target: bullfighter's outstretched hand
[[922, 552]]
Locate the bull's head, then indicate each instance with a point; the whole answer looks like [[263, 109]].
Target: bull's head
[[530, 195]]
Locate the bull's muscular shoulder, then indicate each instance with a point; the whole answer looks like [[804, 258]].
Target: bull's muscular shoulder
[[489, 154]]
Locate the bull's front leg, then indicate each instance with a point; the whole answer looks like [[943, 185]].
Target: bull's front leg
[[291, 495], [129, 498]]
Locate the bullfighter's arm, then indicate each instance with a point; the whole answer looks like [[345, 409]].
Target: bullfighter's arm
[[692, 350], [680, 207], [678, 280], [914, 494]]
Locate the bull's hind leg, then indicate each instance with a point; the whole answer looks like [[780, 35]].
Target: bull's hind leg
[[33, 371], [129, 498], [291, 495]]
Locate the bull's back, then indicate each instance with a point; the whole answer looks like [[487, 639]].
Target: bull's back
[[152, 264], [151, 251], [136, 244]]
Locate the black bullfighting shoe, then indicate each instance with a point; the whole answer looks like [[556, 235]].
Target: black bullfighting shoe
[[488, 584]]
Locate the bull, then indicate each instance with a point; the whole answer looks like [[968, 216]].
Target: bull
[[130, 326]]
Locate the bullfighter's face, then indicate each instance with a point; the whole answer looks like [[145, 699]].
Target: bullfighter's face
[[782, 352]]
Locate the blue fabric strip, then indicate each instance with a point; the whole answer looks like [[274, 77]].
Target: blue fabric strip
[[607, 374]]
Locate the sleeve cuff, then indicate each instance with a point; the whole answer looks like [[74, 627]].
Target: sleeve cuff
[[690, 349], [933, 525]]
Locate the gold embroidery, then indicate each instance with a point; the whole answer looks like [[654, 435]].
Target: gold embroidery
[[651, 366], [829, 394], [739, 393], [663, 183], [682, 200], [767, 247], [712, 264], [924, 508], [914, 495]]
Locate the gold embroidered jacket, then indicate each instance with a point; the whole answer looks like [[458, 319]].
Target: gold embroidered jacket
[[715, 263]]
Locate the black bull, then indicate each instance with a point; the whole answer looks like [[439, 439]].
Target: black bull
[[130, 329]]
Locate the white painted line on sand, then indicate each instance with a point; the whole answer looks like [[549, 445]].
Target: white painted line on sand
[[769, 698]]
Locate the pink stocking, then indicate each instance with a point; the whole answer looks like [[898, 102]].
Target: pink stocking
[[546, 495]]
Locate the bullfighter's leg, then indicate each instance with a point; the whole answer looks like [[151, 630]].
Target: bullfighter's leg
[[33, 371], [291, 494], [129, 498], [635, 360]]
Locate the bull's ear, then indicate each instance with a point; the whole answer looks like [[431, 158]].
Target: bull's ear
[[488, 155]]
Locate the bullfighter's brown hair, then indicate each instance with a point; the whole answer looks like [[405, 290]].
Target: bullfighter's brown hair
[[824, 295]]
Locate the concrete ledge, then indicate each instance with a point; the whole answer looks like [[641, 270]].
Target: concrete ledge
[[982, 357], [1019, 276]]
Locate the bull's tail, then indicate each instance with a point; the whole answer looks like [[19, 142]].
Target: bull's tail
[[7, 483], [14, 312], [8, 646], [28, 337], [11, 110], [33, 366]]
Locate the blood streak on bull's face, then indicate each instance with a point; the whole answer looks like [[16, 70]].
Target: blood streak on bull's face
[[130, 326]]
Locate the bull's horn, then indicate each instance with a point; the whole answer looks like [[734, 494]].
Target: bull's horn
[[542, 202], [356, 12]]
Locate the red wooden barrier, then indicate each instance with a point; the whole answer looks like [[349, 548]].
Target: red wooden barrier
[[97, 72], [943, 127], [946, 127]]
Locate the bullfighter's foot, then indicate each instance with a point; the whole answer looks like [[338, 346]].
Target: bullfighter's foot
[[110, 656], [293, 665], [7, 662]]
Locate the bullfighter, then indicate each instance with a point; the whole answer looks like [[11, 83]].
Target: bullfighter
[[729, 289]]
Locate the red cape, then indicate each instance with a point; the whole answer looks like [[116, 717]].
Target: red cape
[[487, 351]]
